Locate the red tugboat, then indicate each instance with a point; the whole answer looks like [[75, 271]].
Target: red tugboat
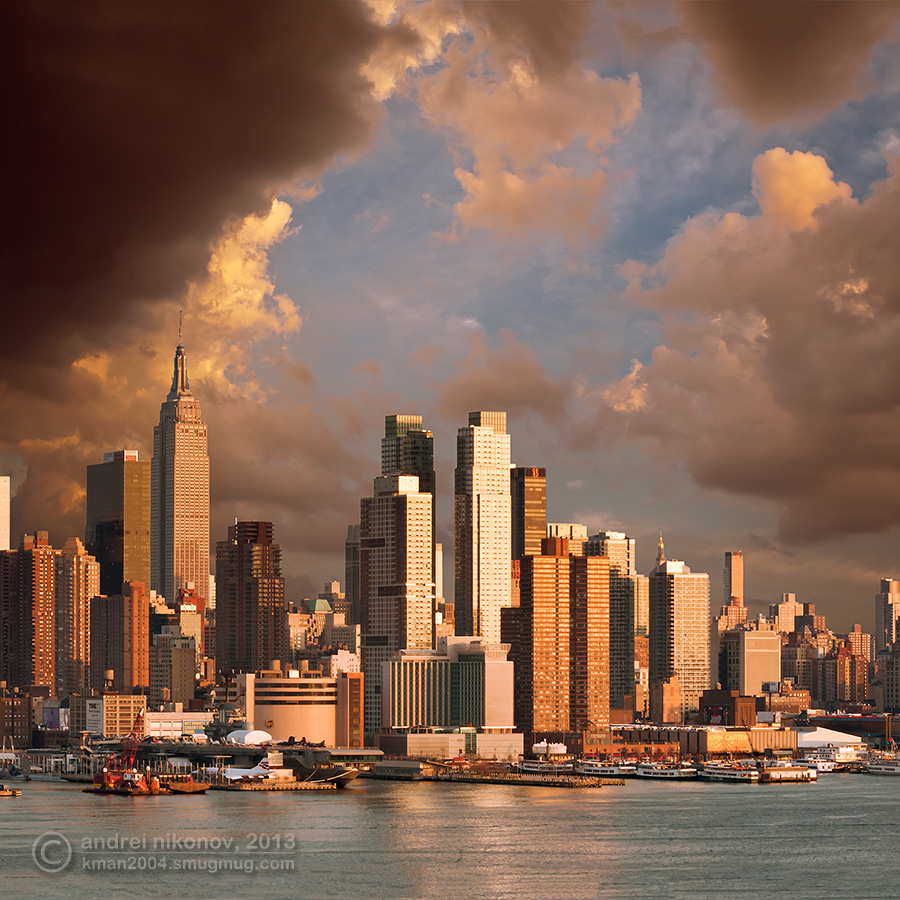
[[119, 775]]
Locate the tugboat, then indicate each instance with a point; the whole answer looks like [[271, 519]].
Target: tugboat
[[9, 792], [119, 775]]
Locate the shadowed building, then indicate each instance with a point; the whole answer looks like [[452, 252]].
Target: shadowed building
[[120, 639], [27, 614], [179, 492], [117, 532], [77, 582], [528, 492], [251, 616]]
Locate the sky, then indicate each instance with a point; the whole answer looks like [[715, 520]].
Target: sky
[[662, 236]]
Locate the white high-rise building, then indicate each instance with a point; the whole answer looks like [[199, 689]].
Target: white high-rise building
[[887, 614], [483, 525], [679, 629], [179, 492], [4, 512], [396, 579]]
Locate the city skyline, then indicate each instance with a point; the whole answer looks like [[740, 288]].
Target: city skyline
[[671, 265]]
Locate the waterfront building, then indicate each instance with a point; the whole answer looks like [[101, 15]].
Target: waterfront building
[[120, 640], [76, 583], [15, 719], [119, 712], [396, 579], [303, 704], [627, 609], [887, 614], [172, 722], [117, 529], [679, 629], [559, 640], [179, 491], [251, 616], [28, 614], [465, 682], [482, 525]]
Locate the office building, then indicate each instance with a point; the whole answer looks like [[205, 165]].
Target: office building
[[4, 512], [559, 640], [887, 614], [482, 523], [76, 583], [463, 683], [28, 613], [120, 640], [117, 531], [733, 576], [251, 616], [172, 667], [179, 492], [784, 613], [528, 499], [679, 630], [396, 579], [351, 574], [627, 609]]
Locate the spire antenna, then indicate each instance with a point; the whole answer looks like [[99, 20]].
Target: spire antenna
[[180, 312]]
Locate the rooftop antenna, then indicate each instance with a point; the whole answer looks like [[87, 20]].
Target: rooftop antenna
[[179, 325]]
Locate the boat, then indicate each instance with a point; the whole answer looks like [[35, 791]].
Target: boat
[[665, 770], [604, 769], [772, 772], [183, 784], [884, 765], [542, 767], [119, 774], [9, 792], [740, 772]]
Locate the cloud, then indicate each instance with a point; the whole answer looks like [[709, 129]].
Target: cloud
[[140, 130], [509, 377], [526, 119], [778, 377], [775, 60]]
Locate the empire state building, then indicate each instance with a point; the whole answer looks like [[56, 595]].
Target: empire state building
[[179, 492]]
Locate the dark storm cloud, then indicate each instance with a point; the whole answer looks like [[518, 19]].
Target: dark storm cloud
[[138, 129], [776, 59]]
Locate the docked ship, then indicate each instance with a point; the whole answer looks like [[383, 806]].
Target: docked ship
[[741, 772], [883, 765], [665, 770], [596, 769]]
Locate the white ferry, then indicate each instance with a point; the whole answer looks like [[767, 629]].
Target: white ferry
[[665, 770], [543, 767], [741, 772], [604, 769], [883, 766]]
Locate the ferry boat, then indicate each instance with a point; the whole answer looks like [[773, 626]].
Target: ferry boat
[[883, 766], [741, 772], [542, 767], [773, 772], [597, 769], [665, 770]]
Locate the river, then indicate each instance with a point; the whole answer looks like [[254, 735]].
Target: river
[[392, 840]]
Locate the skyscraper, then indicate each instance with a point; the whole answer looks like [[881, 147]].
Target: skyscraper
[[679, 629], [396, 579], [733, 576], [626, 611], [120, 639], [77, 582], [408, 449], [117, 533], [179, 492], [559, 640], [251, 616], [887, 614], [351, 574], [482, 519], [4, 512], [27, 613], [528, 500]]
